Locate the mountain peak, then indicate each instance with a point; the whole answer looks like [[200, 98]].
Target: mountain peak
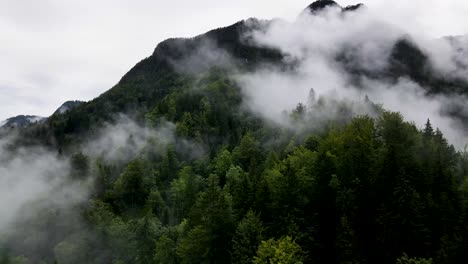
[[20, 121], [65, 107], [320, 5]]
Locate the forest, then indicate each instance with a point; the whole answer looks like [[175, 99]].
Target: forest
[[171, 166], [359, 189]]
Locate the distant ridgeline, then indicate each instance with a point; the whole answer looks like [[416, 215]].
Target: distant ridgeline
[[212, 182], [20, 121], [23, 121]]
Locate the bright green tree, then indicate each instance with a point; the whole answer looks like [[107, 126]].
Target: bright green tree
[[284, 250]]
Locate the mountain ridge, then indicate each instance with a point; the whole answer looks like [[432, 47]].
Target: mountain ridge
[[20, 121], [155, 76]]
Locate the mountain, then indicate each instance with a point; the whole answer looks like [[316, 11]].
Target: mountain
[[158, 75], [21, 121], [320, 5], [174, 165], [67, 106]]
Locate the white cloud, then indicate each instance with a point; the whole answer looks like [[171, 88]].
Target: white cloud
[[314, 43], [33, 179], [37, 176]]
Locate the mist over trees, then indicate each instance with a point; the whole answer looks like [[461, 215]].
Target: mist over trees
[[360, 189], [182, 162]]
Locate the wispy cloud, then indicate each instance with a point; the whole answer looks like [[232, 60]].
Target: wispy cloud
[[315, 42]]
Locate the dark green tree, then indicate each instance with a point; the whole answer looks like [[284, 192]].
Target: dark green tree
[[249, 233]]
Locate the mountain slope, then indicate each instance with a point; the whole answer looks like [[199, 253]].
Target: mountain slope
[[170, 166], [174, 61]]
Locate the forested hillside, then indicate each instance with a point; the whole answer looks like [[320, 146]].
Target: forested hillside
[[171, 166]]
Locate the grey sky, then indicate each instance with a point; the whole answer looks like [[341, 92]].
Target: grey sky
[[53, 50]]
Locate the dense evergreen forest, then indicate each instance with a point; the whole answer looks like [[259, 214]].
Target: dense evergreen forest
[[359, 190], [232, 187]]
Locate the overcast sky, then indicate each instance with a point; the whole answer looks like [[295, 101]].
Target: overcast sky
[[52, 51]]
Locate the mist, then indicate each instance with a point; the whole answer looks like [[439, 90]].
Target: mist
[[312, 44], [34, 175], [41, 197]]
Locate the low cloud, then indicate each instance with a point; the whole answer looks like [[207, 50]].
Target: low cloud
[[199, 55], [34, 175], [124, 139], [34, 180], [325, 46]]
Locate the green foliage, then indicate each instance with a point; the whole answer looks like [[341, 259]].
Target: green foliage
[[249, 234], [147, 230], [155, 203], [184, 191], [169, 165], [223, 163], [212, 220], [247, 153], [241, 187], [130, 189], [350, 190], [165, 252], [406, 260], [284, 250]]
